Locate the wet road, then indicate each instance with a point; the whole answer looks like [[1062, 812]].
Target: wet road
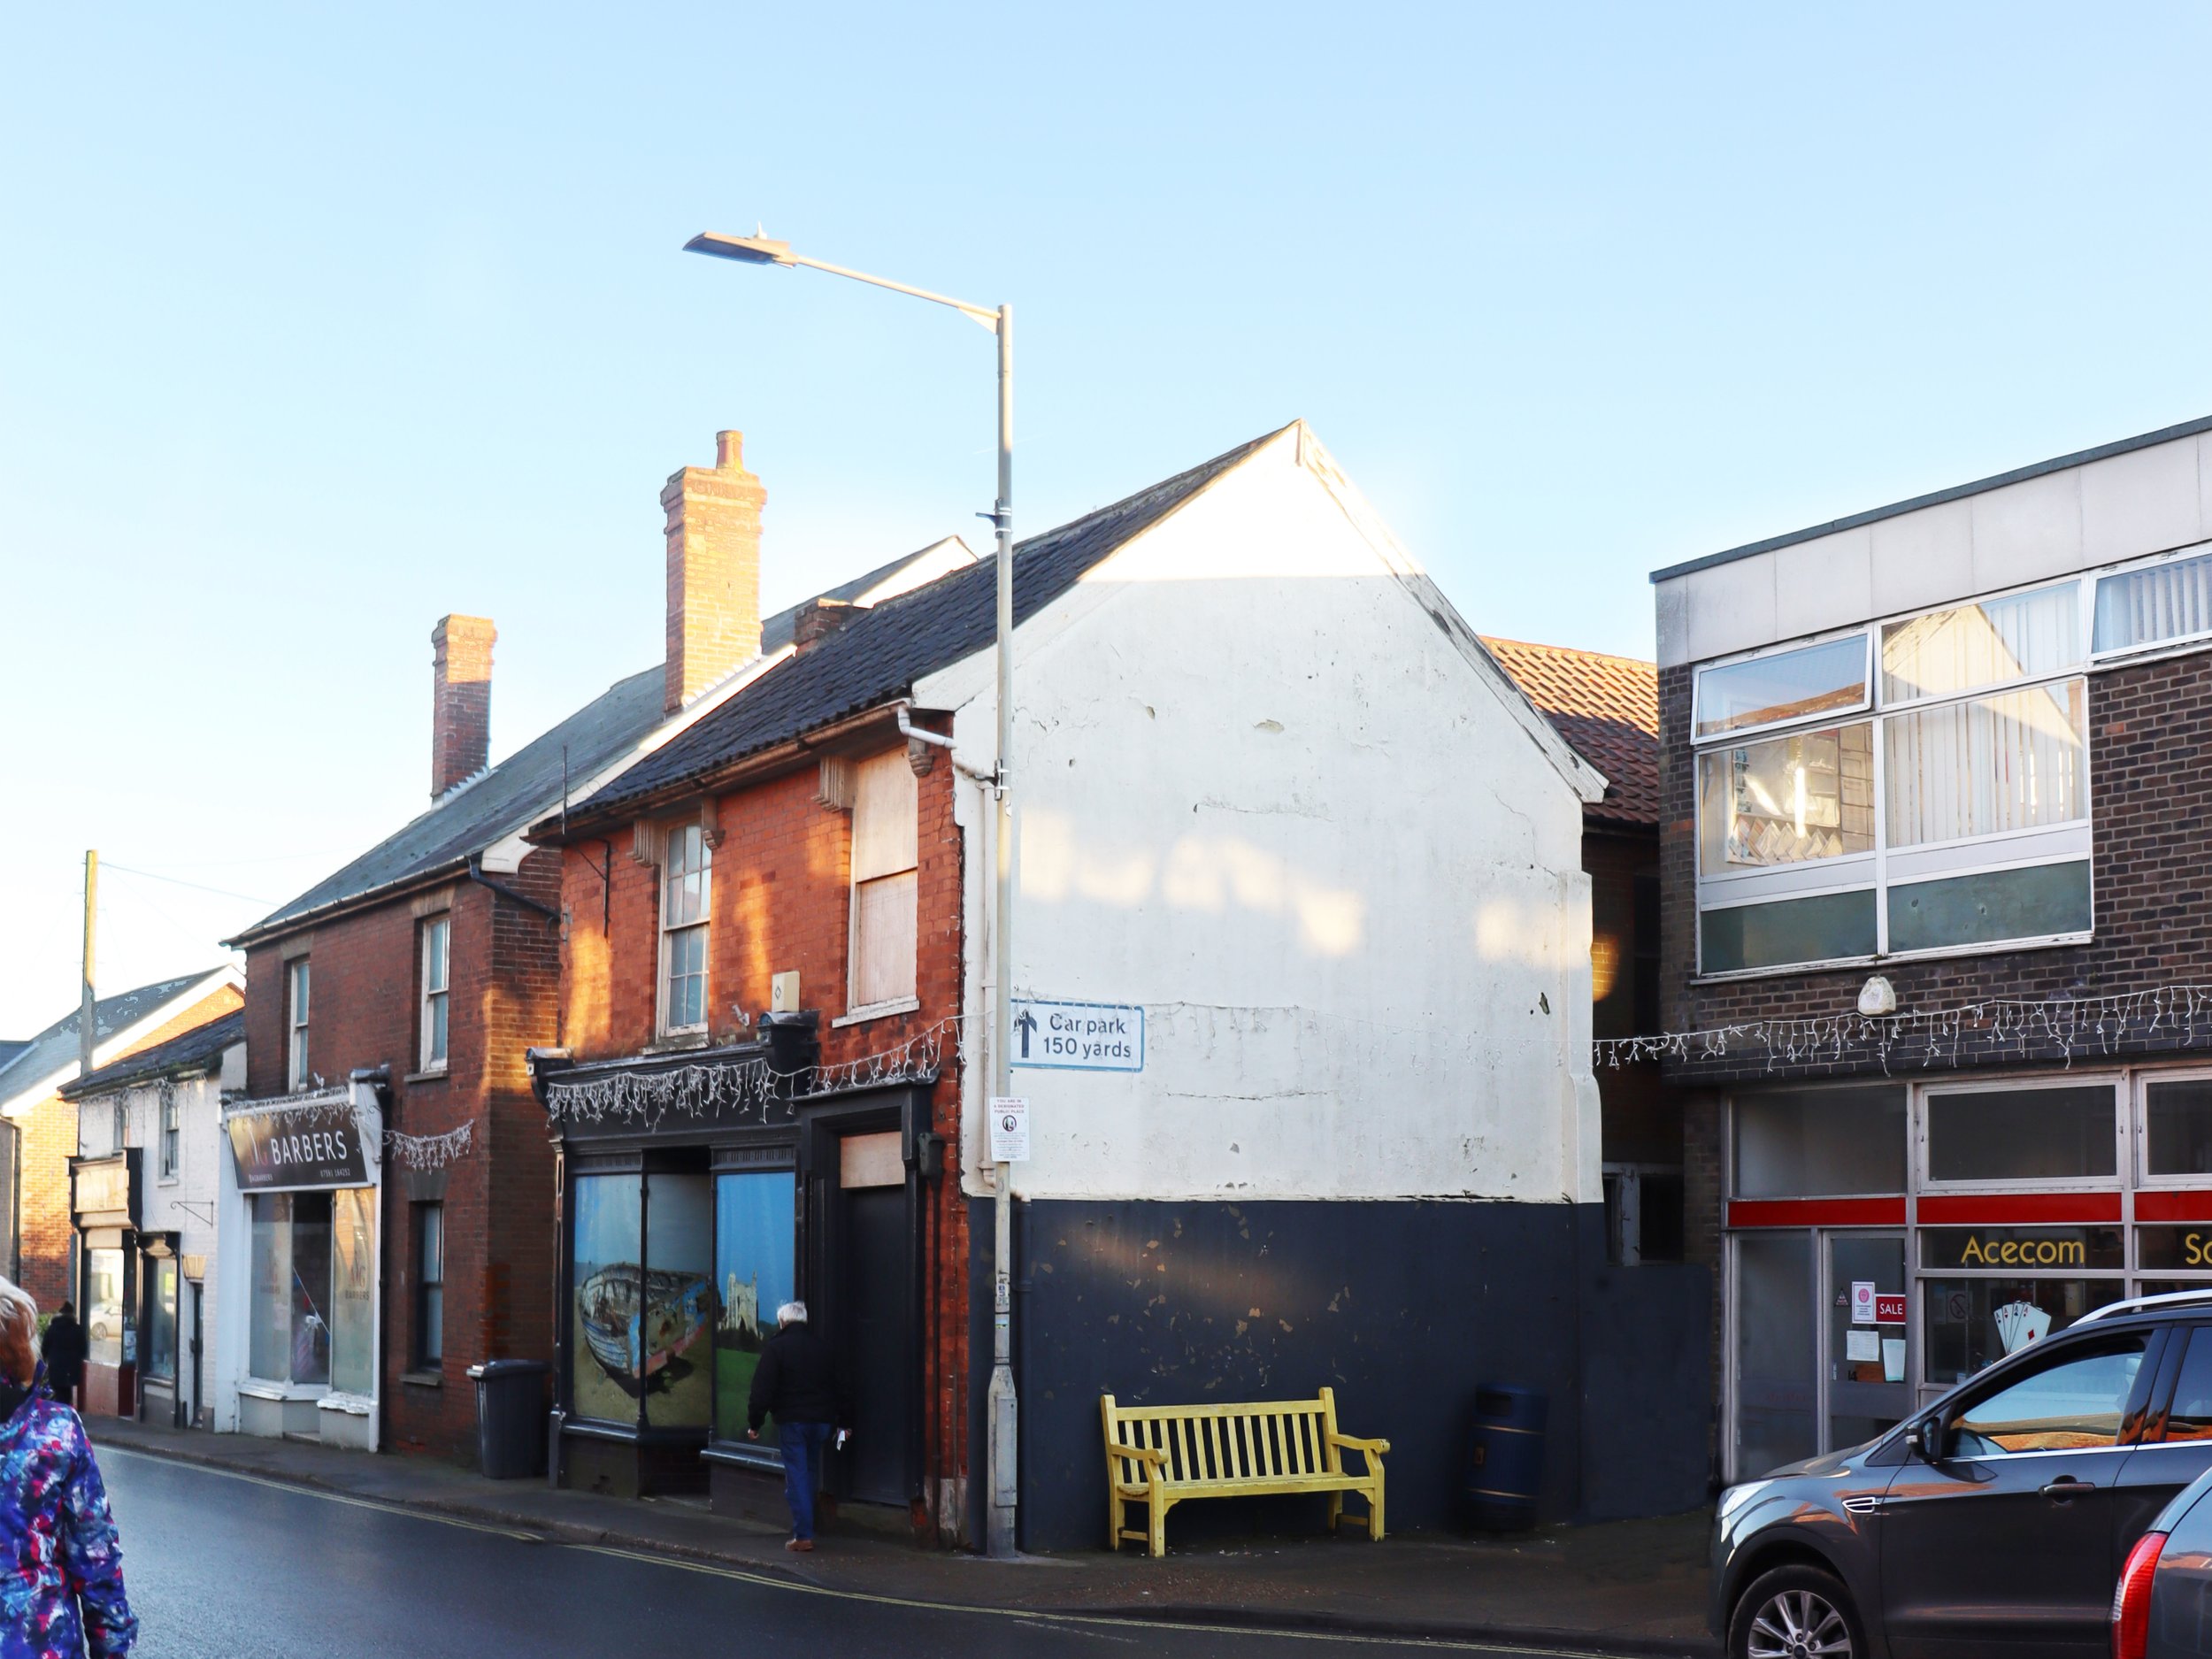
[[223, 1566]]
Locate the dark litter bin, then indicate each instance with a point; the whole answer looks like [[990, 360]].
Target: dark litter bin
[[1505, 1464], [509, 1416]]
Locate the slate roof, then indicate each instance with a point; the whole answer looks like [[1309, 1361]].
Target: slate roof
[[1608, 709], [10, 1048], [471, 816], [497, 803], [879, 653], [199, 1049], [56, 1047]]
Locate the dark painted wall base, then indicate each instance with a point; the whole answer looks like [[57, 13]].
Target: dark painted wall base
[[1403, 1307]]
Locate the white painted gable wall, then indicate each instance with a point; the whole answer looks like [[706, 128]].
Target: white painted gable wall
[[1263, 794]]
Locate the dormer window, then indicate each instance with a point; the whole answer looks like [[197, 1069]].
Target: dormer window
[[684, 902]]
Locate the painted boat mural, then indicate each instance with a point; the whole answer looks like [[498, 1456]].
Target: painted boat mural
[[678, 1309]]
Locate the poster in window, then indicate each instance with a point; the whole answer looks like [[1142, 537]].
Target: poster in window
[[607, 1270], [753, 1268]]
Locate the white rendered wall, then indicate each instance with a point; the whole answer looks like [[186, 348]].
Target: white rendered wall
[[1264, 793], [2125, 506], [187, 1203]]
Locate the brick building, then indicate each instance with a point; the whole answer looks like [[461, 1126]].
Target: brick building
[[1358, 1079], [1936, 963], [39, 1134], [401, 995]]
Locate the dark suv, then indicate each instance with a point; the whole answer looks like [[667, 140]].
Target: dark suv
[[1995, 1520]]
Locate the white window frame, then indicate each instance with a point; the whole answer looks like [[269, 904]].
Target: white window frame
[[1841, 715], [437, 929], [168, 1134], [2067, 842], [299, 1008], [2139, 1121], [674, 835], [2129, 653], [2116, 1080], [909, 1000]]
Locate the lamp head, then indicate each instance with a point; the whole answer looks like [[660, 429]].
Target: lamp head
[[754, 250]]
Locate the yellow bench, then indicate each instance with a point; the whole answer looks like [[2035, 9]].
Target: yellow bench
[[1159, 1455]]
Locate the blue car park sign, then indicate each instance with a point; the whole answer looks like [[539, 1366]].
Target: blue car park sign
[[1078, 1036]]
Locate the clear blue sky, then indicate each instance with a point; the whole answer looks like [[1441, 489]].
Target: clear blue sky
[[316, 326]]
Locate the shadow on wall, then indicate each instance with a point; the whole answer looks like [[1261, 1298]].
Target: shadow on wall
[[1403, 1307]]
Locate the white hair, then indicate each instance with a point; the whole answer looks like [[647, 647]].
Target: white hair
[[790, 1313], [18, 1314]]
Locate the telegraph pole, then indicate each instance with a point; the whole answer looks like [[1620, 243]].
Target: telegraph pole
[[87, 1036]]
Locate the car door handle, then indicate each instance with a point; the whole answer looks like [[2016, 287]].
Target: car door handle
[[2065, 1487]]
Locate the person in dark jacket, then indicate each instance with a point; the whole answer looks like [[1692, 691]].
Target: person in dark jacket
[[797, 1383], [65, 1350]]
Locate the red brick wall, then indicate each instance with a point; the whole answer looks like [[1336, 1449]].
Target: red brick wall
[[502, 972], [1641, 1123], [49, 1140], [779, 902]]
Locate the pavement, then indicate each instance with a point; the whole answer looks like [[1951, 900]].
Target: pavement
[[1620, 1587]]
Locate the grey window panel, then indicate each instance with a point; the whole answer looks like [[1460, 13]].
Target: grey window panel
[[1773, 935], [2022, 1135], [1995, 905]]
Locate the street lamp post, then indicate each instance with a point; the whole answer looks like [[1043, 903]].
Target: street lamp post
[[1003, 1417]]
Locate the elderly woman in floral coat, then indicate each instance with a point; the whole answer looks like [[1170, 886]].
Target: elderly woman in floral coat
[[61, 1571]]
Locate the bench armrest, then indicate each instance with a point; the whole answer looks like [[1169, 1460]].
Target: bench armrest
[[1354, 1443], [1157, 1459]]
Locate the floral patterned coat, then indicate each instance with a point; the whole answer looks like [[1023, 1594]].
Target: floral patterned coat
[[57, 1547]]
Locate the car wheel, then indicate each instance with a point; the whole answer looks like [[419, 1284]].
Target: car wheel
[[1796, 1612]]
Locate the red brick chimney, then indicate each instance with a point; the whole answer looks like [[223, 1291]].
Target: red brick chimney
[[713, 533], [461, 700]]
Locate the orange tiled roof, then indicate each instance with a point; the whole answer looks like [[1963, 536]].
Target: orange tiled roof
[[1608, 709]]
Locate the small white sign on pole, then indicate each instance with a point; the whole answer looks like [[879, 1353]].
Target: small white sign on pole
[[1010, 1129]]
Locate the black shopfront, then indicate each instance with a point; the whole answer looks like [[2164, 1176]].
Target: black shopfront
[[699, 1192]]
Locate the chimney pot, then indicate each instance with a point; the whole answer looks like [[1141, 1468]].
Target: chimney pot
[[713, 532], [461, 700]]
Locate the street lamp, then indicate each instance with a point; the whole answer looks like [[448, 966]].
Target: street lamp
[[1003, 1417]]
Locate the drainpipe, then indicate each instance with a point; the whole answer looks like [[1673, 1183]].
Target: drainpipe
[[936, 739]]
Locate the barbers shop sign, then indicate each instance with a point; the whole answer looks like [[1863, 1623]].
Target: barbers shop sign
[[294, 1147]]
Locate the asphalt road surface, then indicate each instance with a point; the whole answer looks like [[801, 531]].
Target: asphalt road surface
[[223, 1566]]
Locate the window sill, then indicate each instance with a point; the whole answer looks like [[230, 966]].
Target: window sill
[[435, 1074], [876, 1010], [1852, 965], [677, 1042], [423, 1378], [262, 1388]]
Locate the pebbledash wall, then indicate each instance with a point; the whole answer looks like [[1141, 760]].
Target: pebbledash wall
[[2149, 735], [1273, 793]]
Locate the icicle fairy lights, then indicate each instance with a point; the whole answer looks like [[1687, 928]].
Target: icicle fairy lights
[[2071, 1025], [745, 1090]]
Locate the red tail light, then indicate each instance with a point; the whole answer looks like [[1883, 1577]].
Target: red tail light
[[2132, 1601]]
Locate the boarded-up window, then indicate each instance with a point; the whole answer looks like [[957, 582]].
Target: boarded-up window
[[885, 806]]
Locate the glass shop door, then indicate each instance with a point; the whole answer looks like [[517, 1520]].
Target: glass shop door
[[1866, 1368]]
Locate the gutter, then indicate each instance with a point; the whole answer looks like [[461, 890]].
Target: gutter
[[482, 881], [915, 734]]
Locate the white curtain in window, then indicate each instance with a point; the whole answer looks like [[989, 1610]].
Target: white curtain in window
[[2024, 636], [2161, 602], [1988, 767]]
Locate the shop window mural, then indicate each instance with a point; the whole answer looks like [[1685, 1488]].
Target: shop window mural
[[644, 1305], [607, 1273], [753, 1270], [680, 1302]]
